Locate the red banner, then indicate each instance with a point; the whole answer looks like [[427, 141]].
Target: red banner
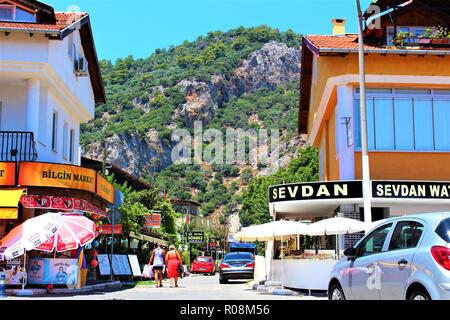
[[108, 229], [153, 220], [60, 203]]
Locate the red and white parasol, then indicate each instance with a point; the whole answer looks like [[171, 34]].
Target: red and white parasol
[[74, 231]]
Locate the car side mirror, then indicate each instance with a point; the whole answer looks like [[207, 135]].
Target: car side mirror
[[350, 253]]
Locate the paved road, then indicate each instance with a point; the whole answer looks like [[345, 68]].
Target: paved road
[[196, 287]]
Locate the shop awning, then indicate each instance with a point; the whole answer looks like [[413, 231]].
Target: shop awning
[[9, 203], [144, 237]]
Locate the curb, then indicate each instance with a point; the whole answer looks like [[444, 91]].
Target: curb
[[91, 288]]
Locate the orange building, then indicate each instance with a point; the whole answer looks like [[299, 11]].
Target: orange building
[[408, 115]]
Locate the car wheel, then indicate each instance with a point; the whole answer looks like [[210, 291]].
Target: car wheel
[[419, 295], [223, 281], [336, 293]]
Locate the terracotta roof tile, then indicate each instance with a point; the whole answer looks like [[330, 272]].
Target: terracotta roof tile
[[337, 42], [63, 20], [350, 42]]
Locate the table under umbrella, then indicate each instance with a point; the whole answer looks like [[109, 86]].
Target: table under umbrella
[[276, 230]]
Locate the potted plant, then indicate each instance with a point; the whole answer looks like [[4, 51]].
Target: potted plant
[[440, 36], [401, 38], [426, 37]]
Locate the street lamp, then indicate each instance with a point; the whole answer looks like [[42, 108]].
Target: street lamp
[[362, 85]]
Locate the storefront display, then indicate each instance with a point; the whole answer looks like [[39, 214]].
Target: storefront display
[[42, 271], [60, 203], [14, 272], [104, 264], [120, 265]]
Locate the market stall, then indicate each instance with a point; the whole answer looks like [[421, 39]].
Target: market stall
[[49, 249], [290, 260]]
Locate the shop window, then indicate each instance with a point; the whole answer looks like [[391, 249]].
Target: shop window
[[404, 124], [54, 131], [441, 124], [405, 119], [24, 16], [14, 13], [72, 145], [423, 124], [65, 140], [7, 13], [384, 123]]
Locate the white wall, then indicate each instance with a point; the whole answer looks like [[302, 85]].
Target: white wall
[[38, 53], [13, 98], [345, 152], [20, 47], [64, 65]]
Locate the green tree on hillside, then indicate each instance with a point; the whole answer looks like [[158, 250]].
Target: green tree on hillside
[[255, 202]]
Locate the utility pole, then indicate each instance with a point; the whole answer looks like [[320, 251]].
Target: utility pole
[[364, 144], [112, 238], [367, 187]]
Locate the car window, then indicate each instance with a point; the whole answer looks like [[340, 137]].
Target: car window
[[239, 256], [374, 242], [443, 230], [406, 235], [203, 259]]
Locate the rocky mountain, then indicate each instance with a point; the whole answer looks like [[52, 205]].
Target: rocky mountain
[[241, 79]]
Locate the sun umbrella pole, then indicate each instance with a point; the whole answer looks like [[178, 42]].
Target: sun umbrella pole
[[24, 270]]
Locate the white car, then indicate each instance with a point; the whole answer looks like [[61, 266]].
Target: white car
[[404, 258]]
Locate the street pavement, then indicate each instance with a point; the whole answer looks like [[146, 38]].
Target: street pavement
[[195, 287]]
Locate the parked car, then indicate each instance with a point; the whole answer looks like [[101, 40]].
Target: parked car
[[237, 265], [204, 265], [404, 258]]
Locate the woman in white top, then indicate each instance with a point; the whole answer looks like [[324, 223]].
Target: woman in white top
[[157, 259]]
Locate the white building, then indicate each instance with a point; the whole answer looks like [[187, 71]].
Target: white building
[[49, 82]]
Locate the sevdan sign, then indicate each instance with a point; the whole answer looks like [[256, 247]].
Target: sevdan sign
[[316, 191]]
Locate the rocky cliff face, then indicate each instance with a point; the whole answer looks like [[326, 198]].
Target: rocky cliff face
[[273, 65]]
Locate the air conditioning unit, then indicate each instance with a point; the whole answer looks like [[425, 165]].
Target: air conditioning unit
[[81, 67]]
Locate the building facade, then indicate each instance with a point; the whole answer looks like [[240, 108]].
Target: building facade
[[50, 82], [408, 111]]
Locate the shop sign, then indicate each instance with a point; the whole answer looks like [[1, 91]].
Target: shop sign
[[37, 174], [135, 267], [104, 265], [108, 229], [105, 189], [411, 189], [316, 191], [120, 265], [196, 237], [153, 220], [215, 243], [59, 203], [53, 271], [7, 174]]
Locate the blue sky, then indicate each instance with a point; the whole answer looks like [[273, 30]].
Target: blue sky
[[138, 27]]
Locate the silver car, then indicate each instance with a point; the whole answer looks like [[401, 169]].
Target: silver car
[[404, 258]]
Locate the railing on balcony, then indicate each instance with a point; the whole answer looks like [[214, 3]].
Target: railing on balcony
[[17, 146]]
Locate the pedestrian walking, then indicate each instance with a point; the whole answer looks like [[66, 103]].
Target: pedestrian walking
[[174, 266], [158, 262]]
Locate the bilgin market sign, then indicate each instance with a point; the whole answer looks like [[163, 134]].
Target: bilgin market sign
[[316, 191]]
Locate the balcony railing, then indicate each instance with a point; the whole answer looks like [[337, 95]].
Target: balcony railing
[[17, 146]]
